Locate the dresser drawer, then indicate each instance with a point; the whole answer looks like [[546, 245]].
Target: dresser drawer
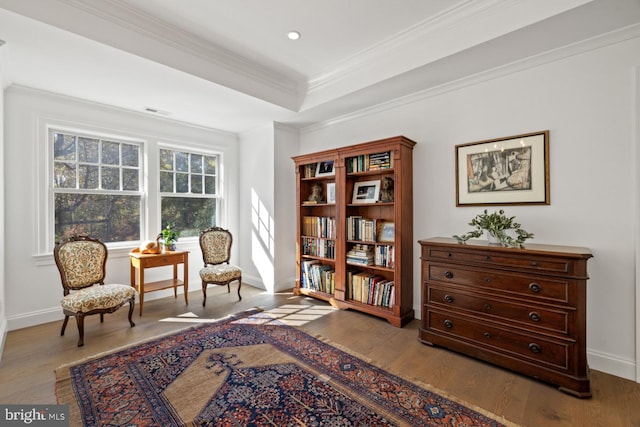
[[504, 341], [506, 311], [529, 286], [538, 264], [159, 261]]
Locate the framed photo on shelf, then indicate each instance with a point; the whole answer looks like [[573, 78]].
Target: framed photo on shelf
[[325, 168], [366, 192], [504, 171], [387, 232], [331, 192]]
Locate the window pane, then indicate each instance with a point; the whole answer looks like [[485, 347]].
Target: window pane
[[196, 163], [166, 160], [166, 182], [64, 147], [182, 183], [110, 178], [190, 215], [109, 218], [182, 162], [196, 184], [88, 150], [210, 184], [110, 153], [88, 176], [210, 165], [64, 175], [130, 155], [130, 180]]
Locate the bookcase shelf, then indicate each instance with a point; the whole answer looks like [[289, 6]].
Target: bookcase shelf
[[374, 272]]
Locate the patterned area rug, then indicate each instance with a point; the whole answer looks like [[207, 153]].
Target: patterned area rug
[[248, 370]]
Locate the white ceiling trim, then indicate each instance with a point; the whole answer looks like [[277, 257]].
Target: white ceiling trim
[[583, 46], [442, 35]]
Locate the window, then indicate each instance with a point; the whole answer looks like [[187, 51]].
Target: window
[[188, 190], [96, 187]]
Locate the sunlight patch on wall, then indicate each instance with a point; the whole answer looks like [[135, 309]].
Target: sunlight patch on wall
[[262, 241]]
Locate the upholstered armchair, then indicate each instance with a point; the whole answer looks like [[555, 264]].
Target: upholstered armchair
[[215, 243], [82, 261]]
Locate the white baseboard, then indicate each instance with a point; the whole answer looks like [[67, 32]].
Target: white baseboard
[[613, 365]]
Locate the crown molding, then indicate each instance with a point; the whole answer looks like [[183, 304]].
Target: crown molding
[[122, 14], [578, 48], [429, 41]]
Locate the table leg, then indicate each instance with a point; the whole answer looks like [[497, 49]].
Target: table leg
[[141, 287], [186, 278]]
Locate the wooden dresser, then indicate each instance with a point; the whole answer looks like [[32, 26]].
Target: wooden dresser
[[522, 309]]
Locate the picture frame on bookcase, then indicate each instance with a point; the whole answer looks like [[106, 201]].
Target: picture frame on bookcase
[[331, 192], [325, 168], [387, 232], [366, 192]]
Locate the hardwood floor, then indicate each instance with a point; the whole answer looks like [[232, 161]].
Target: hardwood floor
[[31, 355]]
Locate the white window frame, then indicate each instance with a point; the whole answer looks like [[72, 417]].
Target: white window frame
[[192, 149]]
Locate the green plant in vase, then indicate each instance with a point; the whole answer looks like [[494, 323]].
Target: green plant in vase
[[169, 236], [496, 225]]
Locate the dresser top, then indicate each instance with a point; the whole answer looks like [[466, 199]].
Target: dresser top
[[528, 247]]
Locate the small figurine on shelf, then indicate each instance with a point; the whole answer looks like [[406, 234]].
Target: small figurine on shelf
[[386, 191], [316, 195]]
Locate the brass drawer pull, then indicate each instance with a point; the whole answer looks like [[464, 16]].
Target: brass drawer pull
[[448, 298], [534, 287], [487, 306], [535, 348], [448, 274], [534, 316], [487, 334], [448, 323], [534, 263]]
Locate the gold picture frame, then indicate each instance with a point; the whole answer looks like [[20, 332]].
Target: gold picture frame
[[504, 171]]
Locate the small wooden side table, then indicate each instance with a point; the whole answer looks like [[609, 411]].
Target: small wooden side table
[[141, 261]]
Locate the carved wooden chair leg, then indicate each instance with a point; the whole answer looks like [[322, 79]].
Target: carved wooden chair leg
[[80, 322], [101, 318], [239, 286], [64, 325], [204, 293], [229, 287], [132, 304]]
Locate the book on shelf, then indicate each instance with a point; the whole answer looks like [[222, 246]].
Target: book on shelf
[[359, 228], [318, 277], [361, 254], [319, 247], [371, 289], [319, 226], [309, 170], [367, 162]]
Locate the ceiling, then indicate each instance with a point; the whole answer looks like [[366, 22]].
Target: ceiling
[[228, 65]]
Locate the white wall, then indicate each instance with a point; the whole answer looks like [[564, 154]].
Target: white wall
[[33, 289], [585, 99], [3, 314], [266, 186]]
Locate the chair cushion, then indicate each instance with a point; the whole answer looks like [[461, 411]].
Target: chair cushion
[[220, 273], [97, 297]]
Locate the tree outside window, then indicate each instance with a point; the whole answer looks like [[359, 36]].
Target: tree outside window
[[189, 190], [96, 187]]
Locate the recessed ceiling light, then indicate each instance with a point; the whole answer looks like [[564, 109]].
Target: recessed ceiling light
[[293, 35]]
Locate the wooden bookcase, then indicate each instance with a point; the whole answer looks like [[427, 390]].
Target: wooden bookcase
[[357, 252]]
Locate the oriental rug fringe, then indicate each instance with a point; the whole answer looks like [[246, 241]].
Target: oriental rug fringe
[[249, 370]]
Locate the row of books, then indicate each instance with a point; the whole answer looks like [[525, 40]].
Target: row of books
[[364, 229], [318, 277], [368, 162], [319, 226], [370, 289], [309, 171], [319, 247], [384, 256]]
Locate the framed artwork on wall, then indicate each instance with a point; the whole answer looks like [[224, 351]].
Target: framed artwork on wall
[[331, 192], [504, 171]]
